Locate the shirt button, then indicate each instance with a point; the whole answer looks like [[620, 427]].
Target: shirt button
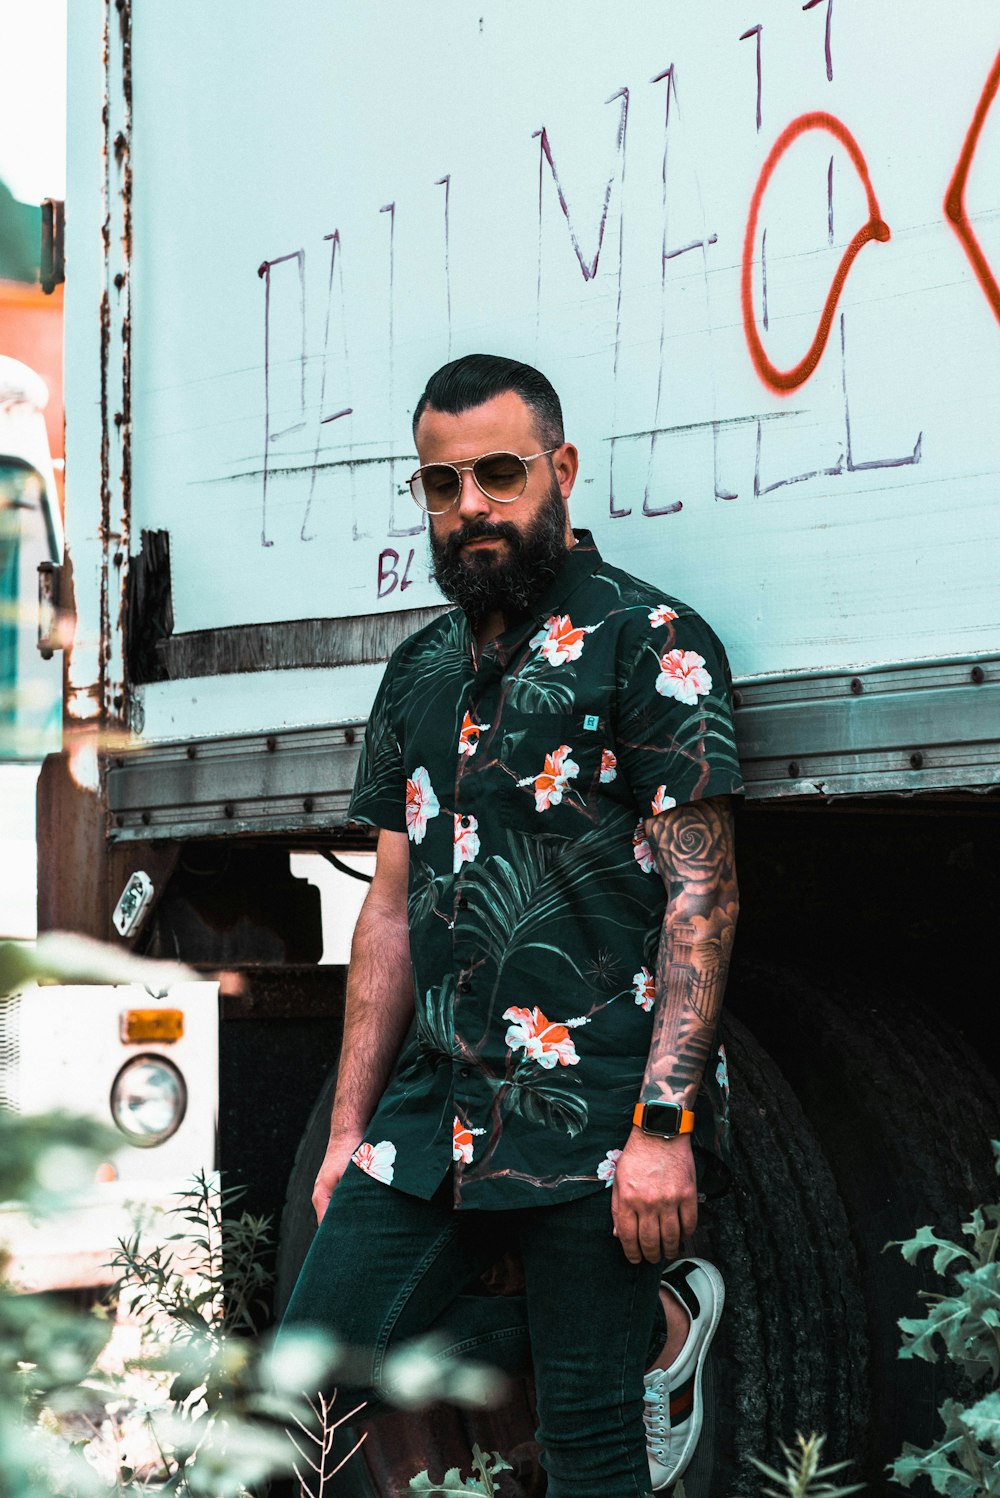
[[463, 985], [463, 1071], [462, 902]]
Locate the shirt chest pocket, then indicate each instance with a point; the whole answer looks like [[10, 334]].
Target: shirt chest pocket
[[555, 768]]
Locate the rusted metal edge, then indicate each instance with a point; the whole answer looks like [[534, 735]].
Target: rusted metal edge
[[288, 644]]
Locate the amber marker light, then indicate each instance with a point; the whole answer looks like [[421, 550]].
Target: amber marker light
[[163, 1025]]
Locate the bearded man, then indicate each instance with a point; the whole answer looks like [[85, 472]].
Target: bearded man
[[529, 1058]]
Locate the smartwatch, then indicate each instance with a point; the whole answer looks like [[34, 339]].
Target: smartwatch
[[666, 1120]]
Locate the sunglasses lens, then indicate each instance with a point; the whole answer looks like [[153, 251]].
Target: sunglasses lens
[[436, 487], [501, 475]]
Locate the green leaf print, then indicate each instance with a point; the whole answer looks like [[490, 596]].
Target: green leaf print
[[435, 1019], [528, 694], [425, 891], [547, 1104]]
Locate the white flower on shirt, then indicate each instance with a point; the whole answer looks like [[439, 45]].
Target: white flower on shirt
[[683, 676], [466, 840], [608, 1166], [662, 614], [376, 1160], [643, 988], [661, 801], [421, 804], [641, 850]]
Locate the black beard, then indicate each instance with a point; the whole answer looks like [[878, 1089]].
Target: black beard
[[482, 583]]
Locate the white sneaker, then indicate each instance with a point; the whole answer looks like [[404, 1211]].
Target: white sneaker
[[673, 1411]]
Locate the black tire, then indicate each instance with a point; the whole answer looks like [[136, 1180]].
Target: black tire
[[904, 1111], [790, 1354], [791, 1351]]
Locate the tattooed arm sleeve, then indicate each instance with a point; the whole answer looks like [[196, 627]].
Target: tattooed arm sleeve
[[693, 848]]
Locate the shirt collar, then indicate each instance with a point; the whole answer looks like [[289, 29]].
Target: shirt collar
[[580, 562]]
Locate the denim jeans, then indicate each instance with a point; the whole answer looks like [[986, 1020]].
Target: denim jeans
[[385, 1267]]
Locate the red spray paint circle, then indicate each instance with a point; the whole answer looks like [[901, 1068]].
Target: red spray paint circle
[[785, 380]]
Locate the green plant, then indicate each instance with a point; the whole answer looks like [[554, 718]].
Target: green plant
[[803, 1476], [199, 1295], [485, 1468], [965, 1326]]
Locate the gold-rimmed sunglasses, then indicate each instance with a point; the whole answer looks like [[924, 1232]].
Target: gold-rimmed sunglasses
[[502, 477]]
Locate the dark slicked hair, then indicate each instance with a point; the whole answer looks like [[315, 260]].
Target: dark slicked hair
[[477, 378]]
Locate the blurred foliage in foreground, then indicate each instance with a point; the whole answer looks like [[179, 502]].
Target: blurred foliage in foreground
[[226, 1407], [965, 1326]]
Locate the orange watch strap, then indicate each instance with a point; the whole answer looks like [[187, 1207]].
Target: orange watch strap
[[687, 1118]]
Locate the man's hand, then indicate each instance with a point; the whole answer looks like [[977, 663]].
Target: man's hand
[[336, 1160], [654, 1199]]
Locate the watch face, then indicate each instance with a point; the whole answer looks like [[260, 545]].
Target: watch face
[[662, 1118]]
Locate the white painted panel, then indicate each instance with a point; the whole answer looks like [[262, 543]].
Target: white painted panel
[[851, 520]]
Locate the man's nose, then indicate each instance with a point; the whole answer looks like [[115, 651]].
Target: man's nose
[[472, 502]]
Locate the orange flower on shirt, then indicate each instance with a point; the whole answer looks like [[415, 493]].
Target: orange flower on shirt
[[542, 1041], [560, 641], [661, 801], [556, 774], [468, 738], [462, 1141], [609, 766], [662, 614]]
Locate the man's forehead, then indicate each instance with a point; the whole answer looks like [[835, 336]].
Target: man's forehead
[[505, 421]]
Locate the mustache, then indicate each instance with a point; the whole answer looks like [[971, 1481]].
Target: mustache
[[480, 530]]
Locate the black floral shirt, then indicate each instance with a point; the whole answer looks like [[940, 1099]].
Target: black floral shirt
[[522, 776]]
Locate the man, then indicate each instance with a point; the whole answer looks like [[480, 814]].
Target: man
[[538, 968]]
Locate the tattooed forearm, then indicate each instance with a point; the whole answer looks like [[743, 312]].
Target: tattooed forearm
[[693, 849]]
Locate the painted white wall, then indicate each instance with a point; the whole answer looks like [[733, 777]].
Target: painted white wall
[[808, 546]]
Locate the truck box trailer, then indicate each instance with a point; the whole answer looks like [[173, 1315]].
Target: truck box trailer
[[756, 249]]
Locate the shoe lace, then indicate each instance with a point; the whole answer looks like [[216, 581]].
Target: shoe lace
[[656, 1419]]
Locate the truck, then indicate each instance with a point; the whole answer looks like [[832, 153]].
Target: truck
[[756, 249]]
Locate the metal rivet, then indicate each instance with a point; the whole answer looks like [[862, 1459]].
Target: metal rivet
[[119, 763], [121, 141], [229, 810], [978, 674], [191, 751], [117, 700], [119, 418], [349, 735], [793, 768], [272, 744], [308, 804], [857, 685], [916, 759], [737, 699], [118, 558], [119, 279], [119, 820], [146, 819]]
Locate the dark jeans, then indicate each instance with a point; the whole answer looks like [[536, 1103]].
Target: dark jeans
[[385, 1267]]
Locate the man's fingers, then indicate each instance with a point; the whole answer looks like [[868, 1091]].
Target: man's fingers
[[651, 1237], [627, 1231]]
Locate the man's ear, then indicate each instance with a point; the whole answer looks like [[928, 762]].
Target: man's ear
[[566, 462]]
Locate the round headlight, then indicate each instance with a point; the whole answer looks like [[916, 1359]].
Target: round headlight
[[148, 1100]]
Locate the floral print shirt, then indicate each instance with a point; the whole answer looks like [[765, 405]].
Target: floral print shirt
[[522, 775]]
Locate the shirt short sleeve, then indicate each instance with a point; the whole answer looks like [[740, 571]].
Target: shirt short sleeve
[[675, 739], [379, 796]]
